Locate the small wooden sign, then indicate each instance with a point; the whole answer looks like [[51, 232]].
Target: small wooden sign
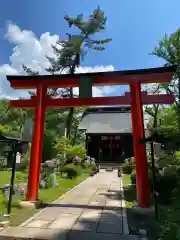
[[85, 87]]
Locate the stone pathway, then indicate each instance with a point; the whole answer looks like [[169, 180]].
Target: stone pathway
[[92, 211]]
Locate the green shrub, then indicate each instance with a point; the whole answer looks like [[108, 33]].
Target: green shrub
[[73, 151], [2, 164], [84, 165], [127, 168], [71, 170], [166, 182], [177, 156], [133, 177]]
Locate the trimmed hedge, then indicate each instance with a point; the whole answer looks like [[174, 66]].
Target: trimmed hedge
[[71, 170]]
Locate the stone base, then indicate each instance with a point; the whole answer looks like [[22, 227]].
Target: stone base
[[31, 204], [143, 211], [4, 224]]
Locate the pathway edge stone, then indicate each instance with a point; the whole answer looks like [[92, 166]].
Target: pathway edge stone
[[123, 206]]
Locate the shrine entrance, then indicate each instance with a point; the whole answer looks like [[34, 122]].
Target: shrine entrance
[[108, 133], [136, 98]]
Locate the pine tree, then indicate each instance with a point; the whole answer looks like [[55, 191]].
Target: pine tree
[[70, 52]]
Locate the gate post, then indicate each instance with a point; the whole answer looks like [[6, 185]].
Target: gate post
[[36, 148], [142, 185]]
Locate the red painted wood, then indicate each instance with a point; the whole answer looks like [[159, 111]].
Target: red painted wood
[[139, 149], [41, 137], [97, 81], [96, 101], [23, 103], [141, 163], [36, 148]]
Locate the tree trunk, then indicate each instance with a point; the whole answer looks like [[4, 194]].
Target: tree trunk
[[75, 135], [71, 110], [155, 120], [69, 122]]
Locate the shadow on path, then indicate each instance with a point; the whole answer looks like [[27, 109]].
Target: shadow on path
[[95, 207]]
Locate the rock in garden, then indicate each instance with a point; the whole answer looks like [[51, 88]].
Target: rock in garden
[[88, 160], [5, 190], [42, 184], [50, 164], [92, 160], [76, 160], [20, 189]]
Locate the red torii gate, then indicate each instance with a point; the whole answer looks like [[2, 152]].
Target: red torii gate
[[135, 98]]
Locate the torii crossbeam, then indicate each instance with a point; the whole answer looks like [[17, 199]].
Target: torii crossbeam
[[136, 98]]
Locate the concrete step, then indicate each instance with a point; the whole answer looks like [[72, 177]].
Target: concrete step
[[105, 165]]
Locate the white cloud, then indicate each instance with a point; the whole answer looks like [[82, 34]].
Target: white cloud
[[32, 52]]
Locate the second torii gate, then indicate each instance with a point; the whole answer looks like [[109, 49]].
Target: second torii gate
[[136, 98]]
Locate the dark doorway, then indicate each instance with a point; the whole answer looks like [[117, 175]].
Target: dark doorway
[[110, 147]]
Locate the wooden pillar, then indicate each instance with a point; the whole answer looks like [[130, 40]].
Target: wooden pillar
[[36, 148], [42, 137], [142, 185]]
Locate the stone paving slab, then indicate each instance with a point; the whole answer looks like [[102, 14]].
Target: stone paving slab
[[38, 224], [50, 214], [65, 222], [22, 233], [86, 226], [90, 214], [113, 203], [110, 222]]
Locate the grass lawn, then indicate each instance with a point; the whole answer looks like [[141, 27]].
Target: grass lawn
[[137, 221], [129, 192], [19, 215]]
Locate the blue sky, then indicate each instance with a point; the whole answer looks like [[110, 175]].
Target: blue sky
[[134, 26]]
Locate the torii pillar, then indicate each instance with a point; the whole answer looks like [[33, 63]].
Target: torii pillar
[[37, 144], [139, 148]]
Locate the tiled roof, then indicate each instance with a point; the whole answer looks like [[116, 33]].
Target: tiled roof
[[106, 123]]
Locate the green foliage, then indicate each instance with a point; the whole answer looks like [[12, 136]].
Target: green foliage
[[127, 168], [169, 50], [71, 170], [177, 156], [172, 231], [84, 165], [166, 175], [133, 177], [48, 147], [2, 163], [62, 145], [74, 151]]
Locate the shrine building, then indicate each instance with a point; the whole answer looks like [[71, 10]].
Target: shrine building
[[108, 133]]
